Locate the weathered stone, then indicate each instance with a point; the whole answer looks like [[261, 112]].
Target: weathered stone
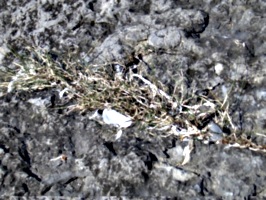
[[202, 45]]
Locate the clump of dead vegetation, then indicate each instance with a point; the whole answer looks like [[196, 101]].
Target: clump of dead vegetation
[[130, 90]]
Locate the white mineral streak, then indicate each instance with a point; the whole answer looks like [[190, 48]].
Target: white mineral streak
[[22, 74], [177, 174], [153, 87], [15, 78]]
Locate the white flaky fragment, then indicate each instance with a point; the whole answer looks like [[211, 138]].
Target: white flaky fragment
[[115, 118], [118, 134], [10, 86], [61, 93], [228, 146], [56, 158], [187, 151]]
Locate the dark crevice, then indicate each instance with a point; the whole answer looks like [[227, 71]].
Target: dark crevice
[[165, 153], [46, 189], [151, 158], [110, 147], [145, 176], [78, 25], [70, 180], [53, 99], [24, 154], [14, 128], [91, 7], [6, 150], [31, 174]]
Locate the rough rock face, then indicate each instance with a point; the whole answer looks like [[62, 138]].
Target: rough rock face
[[204, 44], [210, 43], [136, 165]]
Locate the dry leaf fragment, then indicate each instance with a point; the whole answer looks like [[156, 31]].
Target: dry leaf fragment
[[187, 151]]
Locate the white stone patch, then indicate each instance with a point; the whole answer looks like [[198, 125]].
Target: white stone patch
[[49, 142], [176, 174], [165, 38], [261, 94], [218, 68], [80, 164], [106, 7], [176, 154], [39, 102], [213, 127], [181, 175], [3, 51], [2, 151], [258, 79], [224, 90], [103, 164]]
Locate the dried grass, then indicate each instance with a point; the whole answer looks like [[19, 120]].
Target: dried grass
[[144, 99]]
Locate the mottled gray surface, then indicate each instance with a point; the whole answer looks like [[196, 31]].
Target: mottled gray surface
[[136, 165], [174, 37], [200, 44]]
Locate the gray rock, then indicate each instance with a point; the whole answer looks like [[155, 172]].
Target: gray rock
[[96, 165], [168, 38], [182, 43]]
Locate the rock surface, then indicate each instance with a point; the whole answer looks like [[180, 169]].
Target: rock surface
[[137, 165], [202, 44]]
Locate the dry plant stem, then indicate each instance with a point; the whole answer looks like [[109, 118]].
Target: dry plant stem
[[93, 86]]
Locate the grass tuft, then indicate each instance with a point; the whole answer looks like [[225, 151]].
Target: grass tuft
[[138, 95]]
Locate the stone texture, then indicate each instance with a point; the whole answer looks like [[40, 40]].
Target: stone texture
[[136, 165], [182, 43]]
